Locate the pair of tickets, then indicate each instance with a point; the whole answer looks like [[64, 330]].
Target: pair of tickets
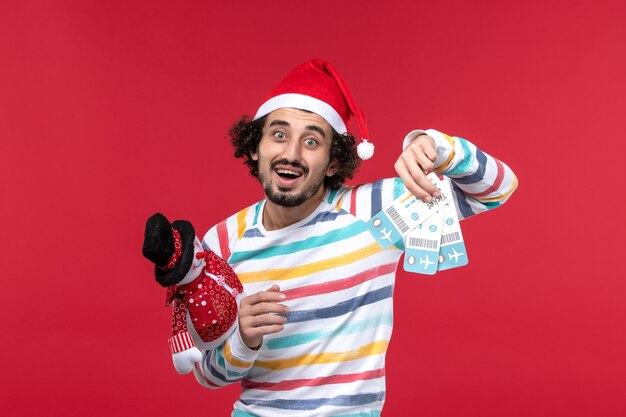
[[431, 231]]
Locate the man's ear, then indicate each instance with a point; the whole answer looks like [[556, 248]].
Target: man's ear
[[332, 168], [254, 155]]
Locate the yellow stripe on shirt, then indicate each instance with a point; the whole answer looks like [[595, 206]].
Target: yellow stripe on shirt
[[376, 348], [445, 164], [241, 222], [340, 199], [281, 274], [232, 360]]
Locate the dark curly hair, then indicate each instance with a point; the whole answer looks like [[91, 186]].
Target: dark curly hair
[[246, 134]]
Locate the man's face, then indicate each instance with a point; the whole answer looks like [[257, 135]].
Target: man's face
[[294, 156]]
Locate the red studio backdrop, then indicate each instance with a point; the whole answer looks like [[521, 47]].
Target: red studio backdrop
[[112, 110]]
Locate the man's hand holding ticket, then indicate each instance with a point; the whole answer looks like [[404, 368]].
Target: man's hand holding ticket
[[430, 230]]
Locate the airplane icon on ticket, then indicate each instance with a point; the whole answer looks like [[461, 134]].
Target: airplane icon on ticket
[[455, 255], [386, 234], [426, 262]]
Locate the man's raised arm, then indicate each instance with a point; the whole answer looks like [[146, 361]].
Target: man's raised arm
[[479, 181]]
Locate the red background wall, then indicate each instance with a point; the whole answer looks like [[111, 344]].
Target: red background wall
[[112, 110]]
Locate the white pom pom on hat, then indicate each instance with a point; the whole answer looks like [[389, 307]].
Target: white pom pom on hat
[[365, 149], [317, 87]]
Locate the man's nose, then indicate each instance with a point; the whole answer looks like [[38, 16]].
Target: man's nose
[[292, 150]]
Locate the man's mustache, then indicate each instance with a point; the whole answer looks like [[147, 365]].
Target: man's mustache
[[286, 162]]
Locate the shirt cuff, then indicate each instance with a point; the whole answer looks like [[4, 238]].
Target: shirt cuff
[[239, 349]]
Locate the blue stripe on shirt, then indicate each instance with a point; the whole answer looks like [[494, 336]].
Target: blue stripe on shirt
[[377, 197], [461, 203], [398, 188], [241, 413], [257, 210], [217, 374], [331, 195], [294, 247], [303, 338], [340, 308], [252, 233], [315, 403], [480, 171], [324, 217]]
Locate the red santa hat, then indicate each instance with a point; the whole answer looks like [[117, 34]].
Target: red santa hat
[[317, 87]]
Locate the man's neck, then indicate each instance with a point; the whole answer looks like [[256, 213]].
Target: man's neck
[[277, 217]]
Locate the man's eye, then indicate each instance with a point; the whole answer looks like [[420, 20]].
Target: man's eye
[[279, 135], [310, 142]]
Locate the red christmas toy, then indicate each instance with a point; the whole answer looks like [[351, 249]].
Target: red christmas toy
[[202, 287]]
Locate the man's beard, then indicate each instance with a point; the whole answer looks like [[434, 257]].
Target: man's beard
[[281, 196]]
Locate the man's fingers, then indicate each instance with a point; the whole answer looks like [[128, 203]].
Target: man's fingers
[[262, 305], [264, 320], [415, 180], [408, 180], [413, 165], [265, 308], [425, 144], [254, 327], [274, 288], [423, 155], [252, 336], [429, 148], [272, 295], [261, 314], [428, 186], [424, 163], [265, 330]]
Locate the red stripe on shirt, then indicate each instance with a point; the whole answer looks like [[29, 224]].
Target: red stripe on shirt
[[313, 382], [496, 184], [353, 201], [340, 284], [222, 235]]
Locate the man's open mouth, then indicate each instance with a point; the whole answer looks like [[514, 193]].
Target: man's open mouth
[[288, 173]]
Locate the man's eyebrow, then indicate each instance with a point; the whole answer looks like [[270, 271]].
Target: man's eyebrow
[[279, 122], [314, 128], [317, 129]]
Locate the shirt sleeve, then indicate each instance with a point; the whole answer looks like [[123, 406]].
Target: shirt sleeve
[[225, 364], [366, 200], [479, 181], [232, 360]]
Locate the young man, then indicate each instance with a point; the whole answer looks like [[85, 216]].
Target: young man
[[316, 319]]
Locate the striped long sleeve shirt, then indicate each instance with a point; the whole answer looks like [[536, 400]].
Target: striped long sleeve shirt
[[330, 358]]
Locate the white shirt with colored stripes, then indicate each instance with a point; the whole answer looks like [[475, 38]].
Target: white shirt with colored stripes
[[330, 358]]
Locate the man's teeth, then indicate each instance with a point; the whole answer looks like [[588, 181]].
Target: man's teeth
[[288, 172]]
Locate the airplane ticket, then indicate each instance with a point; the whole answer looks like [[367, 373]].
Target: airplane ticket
[[405, 214], [422, 246], [452, 253]]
